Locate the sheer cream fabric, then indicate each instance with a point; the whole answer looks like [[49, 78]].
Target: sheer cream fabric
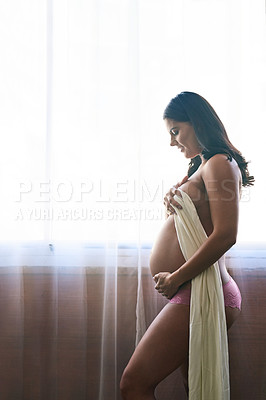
[[208, 347], [83, 88]]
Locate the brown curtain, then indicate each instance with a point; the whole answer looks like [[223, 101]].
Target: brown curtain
[[66, 333]]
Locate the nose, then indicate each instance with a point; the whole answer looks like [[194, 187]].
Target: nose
[[173, 142]]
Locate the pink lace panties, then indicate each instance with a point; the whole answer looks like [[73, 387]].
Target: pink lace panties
[[232, 295]]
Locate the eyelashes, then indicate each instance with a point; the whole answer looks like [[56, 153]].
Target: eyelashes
[[174, 132]]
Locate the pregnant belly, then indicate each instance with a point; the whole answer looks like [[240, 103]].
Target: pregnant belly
[[166, 255]]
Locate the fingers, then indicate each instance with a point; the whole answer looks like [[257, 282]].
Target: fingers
[[159, 289], [171, 200], [158, 280], [168, 206], [172, 190]]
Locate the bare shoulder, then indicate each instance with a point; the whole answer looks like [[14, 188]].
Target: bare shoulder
[[220, 167], [222, 177]]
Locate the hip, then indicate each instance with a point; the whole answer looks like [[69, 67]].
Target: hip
[[231, 292]]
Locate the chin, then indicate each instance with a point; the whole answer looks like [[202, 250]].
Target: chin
[[190, 156], [187, 155]]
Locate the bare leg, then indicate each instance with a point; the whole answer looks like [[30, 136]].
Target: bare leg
[[163, 348], [231, 315]]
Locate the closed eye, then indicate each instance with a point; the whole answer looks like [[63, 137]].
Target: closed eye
[[174, 131]]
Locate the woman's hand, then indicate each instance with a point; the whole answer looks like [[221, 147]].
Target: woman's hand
[[165, 284], [169, 198]]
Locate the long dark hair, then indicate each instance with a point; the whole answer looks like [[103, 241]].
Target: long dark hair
[[209, 129]]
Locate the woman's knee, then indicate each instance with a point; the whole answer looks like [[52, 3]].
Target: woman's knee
[[125, 384], [131, 385], [184, 372]]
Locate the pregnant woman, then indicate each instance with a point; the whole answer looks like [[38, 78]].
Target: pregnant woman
[[188, 261]]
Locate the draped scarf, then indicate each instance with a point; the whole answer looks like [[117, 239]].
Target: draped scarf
[[208, 375]]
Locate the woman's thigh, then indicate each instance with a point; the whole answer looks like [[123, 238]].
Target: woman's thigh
[[231, 315], [163, 348]]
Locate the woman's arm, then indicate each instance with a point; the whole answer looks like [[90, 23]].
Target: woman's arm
[[221, 178]]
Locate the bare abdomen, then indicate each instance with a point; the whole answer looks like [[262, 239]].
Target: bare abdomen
[[166, 255]]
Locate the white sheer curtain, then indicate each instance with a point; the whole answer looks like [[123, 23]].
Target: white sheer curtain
[[85, 160]]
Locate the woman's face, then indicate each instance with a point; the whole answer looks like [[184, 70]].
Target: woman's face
[[183, 136]]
